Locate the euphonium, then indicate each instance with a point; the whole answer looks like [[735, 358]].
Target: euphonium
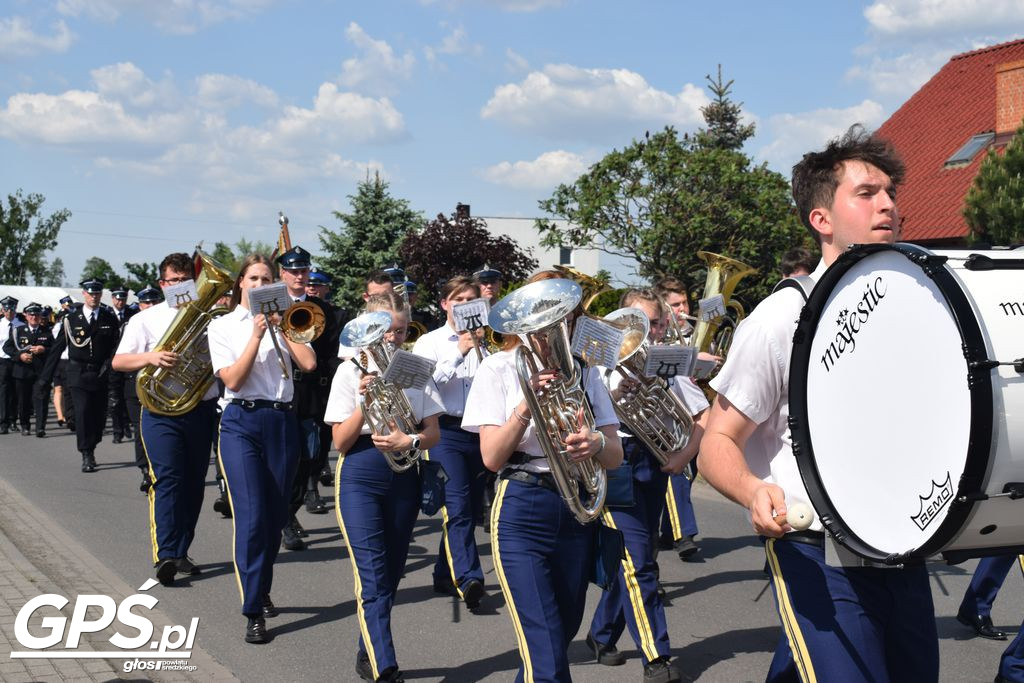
[[538, 311], [177, 390], [383, 403], [724, 274], [654, 413]]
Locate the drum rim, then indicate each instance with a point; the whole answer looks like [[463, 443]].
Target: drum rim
[[979, 385]]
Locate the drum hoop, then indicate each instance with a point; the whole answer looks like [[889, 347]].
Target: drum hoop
[[979, 382]]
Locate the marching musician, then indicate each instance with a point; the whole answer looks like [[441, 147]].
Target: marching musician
[[177, 447], [28, 345], [376, 506], [147, 298], [490, 282], [62, 403], [542, 554], [457, 569], [120, 425], [633, 600], [320, 472], [259, 436], [841, 623], [678, 521], [8, 397], [90, 334], [311, 391]]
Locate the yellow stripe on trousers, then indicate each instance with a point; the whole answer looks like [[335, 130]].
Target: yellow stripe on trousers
[[150, 495], [636, 598], [787, 614], [517, 626], [673, 511], [444, 539], [355, 569], [234, 529]]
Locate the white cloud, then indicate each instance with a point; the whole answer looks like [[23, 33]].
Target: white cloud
[[505, 5], [126, 126], [220, 91], [932, 17], [455, 43], [900, 75], [569, 101], [544, 172], [516, 62], [170, 16], [377, 68], [792, 135], [18, 39]]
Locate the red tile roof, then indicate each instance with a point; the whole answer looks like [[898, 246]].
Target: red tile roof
[[958, 102]]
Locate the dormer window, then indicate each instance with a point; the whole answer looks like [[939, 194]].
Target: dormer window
[[970, 149]]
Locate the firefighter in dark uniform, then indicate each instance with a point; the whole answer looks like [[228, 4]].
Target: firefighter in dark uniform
[[28, 345], [90, 333], [62, 403], [311, 389], [120, 424], [147, 296], [8, 398]]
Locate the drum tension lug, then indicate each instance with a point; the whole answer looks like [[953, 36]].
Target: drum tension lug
[[988, 364], [1015, 489]]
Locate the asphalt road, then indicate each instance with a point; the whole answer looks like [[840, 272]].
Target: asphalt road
[[721, 618]]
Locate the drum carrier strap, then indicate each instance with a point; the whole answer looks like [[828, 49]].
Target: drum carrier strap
[[804, 283]]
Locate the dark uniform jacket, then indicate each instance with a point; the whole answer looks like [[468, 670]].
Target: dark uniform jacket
[[313, 388], [23, 338], [90, 347]]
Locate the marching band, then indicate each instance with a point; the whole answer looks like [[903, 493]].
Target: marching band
[[587, 450]]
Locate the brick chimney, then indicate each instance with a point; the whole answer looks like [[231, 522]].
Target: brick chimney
[[1009, 96], [462, 210]]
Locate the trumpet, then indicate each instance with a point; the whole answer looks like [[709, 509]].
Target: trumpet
[[539, 311], [384, 403]]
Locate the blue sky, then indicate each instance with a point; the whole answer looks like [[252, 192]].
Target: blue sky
[[160, 124]]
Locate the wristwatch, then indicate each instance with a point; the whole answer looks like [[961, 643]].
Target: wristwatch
[[415, 442]]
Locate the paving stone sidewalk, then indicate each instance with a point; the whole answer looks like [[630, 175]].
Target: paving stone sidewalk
[[37, 556]]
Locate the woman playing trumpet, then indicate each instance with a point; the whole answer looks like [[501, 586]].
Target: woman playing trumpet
[[542, 553], [377, 506], [258, 436]]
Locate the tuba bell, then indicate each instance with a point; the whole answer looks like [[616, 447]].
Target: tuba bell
[[383, 402], [177, 390], [538, 311], [655, 414], [715, 336]]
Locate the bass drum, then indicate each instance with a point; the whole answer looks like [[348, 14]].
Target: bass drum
[[905, 424]]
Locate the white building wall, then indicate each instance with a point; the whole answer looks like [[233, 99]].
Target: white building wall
[[589, 261]]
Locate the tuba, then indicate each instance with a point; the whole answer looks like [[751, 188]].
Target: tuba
[[538, 311], [177, 390], [383, 402], [655, 414], [724, 273]]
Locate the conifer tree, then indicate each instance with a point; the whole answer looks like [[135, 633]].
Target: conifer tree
[[994, 207]]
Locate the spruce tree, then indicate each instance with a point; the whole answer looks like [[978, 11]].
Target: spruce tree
[[722, 116], [367, 240], [994, 207]]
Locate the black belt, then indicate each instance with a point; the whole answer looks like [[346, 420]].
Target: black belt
[[542, 479], [806, 536], [311, 377], [262, 403], [94, 367], [450, 421]]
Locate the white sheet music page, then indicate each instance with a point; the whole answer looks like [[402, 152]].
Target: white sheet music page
[[597, 342], [712, 308], [269, 299], [669, 360], [181, 294], [471, 315], [409, 370]]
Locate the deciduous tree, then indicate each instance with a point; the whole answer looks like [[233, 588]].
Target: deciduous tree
[[23, 246]]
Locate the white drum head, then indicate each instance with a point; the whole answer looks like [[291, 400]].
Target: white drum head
[[888, 410]]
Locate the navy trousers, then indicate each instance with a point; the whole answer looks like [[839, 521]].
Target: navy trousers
[[257, 454], [679, 519], [377, 510], [988, 578], [457, 555], [633, 599], [542, 557], [178, 452], [850, 624]]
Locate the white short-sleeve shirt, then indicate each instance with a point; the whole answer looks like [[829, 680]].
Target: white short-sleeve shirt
[[496, 393], [228, 336], [344, 398], [454, 372], [144, 330], [755, 379]]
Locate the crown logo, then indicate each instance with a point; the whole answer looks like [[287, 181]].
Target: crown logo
[[932, 504]]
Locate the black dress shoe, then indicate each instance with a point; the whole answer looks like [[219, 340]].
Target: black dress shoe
[[116, 439], [297, 528], [443, 585], [185, 565], [315, 504], [687, 548], [26, 432], [146, 483], [88, 462], [327, 476], [982, 625], [472, 593], [256, 631], [165, 571], [3, 429], [41, 434], [269, 609], [661, 670], [290, 540], [605, 654], [222, 506], [363, 668], [60, 423]]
